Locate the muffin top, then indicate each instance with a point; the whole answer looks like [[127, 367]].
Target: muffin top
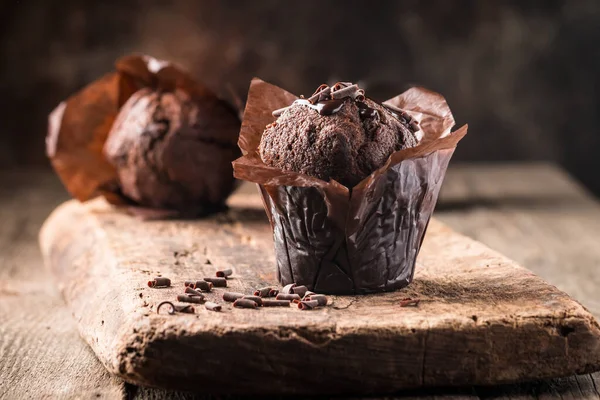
[[337, 133]]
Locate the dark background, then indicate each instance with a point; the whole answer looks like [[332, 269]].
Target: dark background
[[525, 75]]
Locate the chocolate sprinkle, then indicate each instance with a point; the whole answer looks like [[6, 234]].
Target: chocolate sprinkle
[[283, 296], [188, 309], [263, 292], [190, 299], [245, 303], [203, 285], [320, 298], [299, 290], [256, 299], [224, 273], [217, 282], [276, 303], [273, 292], [232, 296], [308, 305], [189, 283], [159, 282], [210, 306], [287, 289], [193, 292]]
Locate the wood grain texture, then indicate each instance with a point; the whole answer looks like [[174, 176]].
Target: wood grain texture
[[535, 214], [482, 319], [41, 353]]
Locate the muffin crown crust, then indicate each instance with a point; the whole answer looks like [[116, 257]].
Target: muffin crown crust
[[343, 136]]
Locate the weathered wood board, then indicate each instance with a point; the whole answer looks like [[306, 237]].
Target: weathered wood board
[[482, 318]]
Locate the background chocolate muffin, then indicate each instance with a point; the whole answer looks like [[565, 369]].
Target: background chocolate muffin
[[172, 151], [346, 145]]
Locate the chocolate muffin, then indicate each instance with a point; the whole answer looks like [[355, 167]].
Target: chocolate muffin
[[172, 151], [336, 134]]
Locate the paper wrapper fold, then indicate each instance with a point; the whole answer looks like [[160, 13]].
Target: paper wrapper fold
[[78, 128], [340, 241]]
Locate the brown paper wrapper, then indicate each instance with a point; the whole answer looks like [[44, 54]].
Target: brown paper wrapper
[[79, 127], [340, 241]]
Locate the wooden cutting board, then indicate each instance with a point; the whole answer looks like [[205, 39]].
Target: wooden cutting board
[[482, 319]]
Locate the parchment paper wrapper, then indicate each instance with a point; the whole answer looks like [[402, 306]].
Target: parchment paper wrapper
[[341, 241], [79, 127]]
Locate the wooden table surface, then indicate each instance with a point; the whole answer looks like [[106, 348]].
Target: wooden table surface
[[533, 213]]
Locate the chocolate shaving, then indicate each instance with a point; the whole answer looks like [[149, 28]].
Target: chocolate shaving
[[224, 273], [276, 303], [190, 299], [188, 309], [273, 292], [166, 303], [210, 306], [307, 294], [406, 302], [263, 292], [159, 282], [320, 298], [308, 305], [217, 282], [299, 290], [245, 303], [291, 297], [350, 91], [232, 296], [256, 299], [189, 283], [321, 88], [322, 95], [203, 285], [193, 292], [287, 289]]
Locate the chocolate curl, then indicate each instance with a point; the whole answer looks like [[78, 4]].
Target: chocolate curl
[[217, 282], [276, 303], [256, 299], [308, 305], [409, 302], [320, 95], [171, 306], [203, 285], [263, 292], [290, 297], [193, 292], [245, 303], [224, 273], [348, 259], [210, 306], [189, 283], [184, 309], [232, 296], [273, 292], [159, 282], [308, 294], [350, 91], [184, 298], [299, 290], [287, 289], [320, 298]]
